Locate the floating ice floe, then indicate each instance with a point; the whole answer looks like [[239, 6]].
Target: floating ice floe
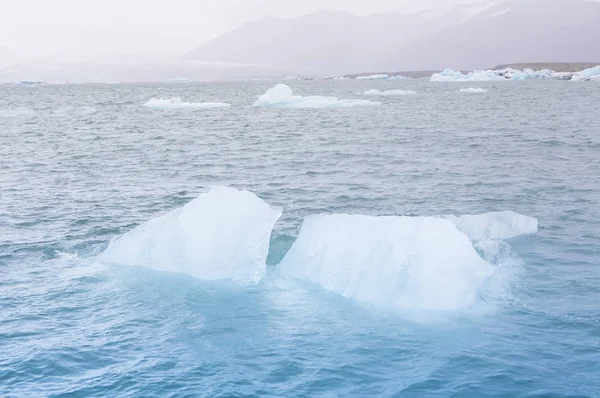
[[389, 92], [177, 103], [281, 96], [373, 77], [411, 263], [587, 74], [495, 225], [293, 78], [472, 90], [223, 234]]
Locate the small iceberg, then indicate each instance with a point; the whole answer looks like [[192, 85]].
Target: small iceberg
[[177, 103], [472, 90], [373, 77], [389, 93], [293, 78], [591, 74], [281, 96], [222, 235]]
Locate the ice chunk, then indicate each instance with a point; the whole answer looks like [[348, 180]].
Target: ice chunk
[[448, 75], [411, 263], [587, 74], [373, 77], [397, 77], [223, 234], [281, 96], [293, 78], [388, 93], [177, 103], [495, 225], [472, 90]]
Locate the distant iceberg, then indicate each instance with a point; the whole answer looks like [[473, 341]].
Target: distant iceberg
[[389, 92], [449, 75], [179, 79], [397, 77], [176, 103], [373, 77], [587, 74], [472, 90], [293, 78], [281, 96]]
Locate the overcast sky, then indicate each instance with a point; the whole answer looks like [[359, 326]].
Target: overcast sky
[[50, 27]]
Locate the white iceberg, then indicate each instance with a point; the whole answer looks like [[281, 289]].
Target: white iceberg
[[410, 263], [449, 75], [472, 90], [495, 225], [373, 77], [389, 93], [223, 234], [177, 103], [587, 74], [397, 77], [281, 96], [293, 78]]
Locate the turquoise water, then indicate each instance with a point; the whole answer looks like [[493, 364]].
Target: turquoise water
[[73, 178]]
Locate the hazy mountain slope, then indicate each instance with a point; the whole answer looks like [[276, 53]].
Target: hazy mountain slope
[[512, 32], [328, 41]]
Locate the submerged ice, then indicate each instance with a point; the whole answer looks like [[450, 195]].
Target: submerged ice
[[177, 103], [411, 263], [281, 96], [472, 90], [223, 234]]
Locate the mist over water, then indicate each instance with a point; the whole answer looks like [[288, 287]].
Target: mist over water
[[81, 165]]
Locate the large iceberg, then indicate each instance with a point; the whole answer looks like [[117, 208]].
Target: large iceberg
[[495, 225], [587, 74], [281, 96], [177, 103], [388, 93], [223, 234], [410, 263]]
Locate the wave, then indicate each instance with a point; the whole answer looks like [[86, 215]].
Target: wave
[[281, 96], [222, 235], [75, 110], [177, 103], [389, 92]]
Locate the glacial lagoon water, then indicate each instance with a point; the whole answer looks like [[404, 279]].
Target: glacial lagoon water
[[227, 293]]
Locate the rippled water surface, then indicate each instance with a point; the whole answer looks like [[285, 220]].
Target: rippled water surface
[[82, 164]]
